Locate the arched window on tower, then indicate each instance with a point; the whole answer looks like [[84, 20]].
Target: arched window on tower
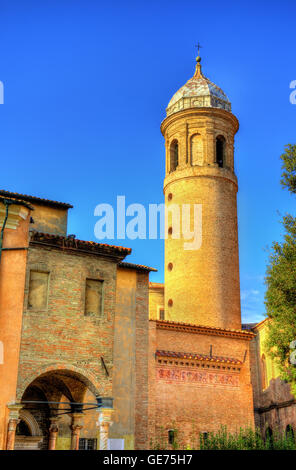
[[220, 151], [174, 155], [264, 372]]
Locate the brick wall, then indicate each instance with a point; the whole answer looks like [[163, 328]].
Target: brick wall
[[61, 339], [61, 336], [198, 407], [142, 342], [156, 300]]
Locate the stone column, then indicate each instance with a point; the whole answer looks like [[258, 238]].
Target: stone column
[[104, 422], [12, 424], [53, 433], [76, 427]]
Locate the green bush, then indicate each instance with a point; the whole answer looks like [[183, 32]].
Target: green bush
[[247, 439], [244, 439]]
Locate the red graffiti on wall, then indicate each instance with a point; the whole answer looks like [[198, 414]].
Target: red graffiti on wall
[[201, 377]]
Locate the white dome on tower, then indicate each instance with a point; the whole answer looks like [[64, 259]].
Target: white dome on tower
[[198, 92]]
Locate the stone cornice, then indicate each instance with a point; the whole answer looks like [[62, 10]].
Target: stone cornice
[[17, 211], [200, 112], [204, 171], [205, 330]]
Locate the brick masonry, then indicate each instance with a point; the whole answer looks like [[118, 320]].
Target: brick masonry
[[60, 342], [192, 396]]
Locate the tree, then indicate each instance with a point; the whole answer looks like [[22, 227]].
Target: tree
[[280, 297], [288, 158]]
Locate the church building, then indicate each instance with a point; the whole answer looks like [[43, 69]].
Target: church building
[[92, 354]]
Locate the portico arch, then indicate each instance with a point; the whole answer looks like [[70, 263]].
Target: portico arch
[[90, 381], [54, 407]]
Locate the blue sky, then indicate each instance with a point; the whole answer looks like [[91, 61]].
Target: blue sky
[[86, 84]]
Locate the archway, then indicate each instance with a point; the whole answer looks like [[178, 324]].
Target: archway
[[59, 411], [28, 433]]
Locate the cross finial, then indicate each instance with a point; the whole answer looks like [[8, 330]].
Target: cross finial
[[198, 48], [198, 73]]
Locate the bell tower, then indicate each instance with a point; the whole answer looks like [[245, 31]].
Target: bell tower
[[201, 283]]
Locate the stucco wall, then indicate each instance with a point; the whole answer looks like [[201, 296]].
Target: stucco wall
[[130, 383], [12, 281], [50, 220]]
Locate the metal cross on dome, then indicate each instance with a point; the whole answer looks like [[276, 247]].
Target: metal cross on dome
[[198, 45]]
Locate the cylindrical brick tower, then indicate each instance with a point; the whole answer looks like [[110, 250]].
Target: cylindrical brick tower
[[201, 284]]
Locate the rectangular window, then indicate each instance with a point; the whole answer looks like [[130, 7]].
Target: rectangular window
[[93, 297], [38, 290], [204, 436], [171, 436], [87, 444], [161, 313]]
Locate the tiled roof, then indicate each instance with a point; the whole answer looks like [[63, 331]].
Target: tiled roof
[[71, 243], [36, 200], [138, 267], [156, 285], [16, 201], [248, 326], [261, 324], [202, 329], [198, 357]]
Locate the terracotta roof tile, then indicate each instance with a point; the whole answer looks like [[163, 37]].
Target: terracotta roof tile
[[17, 202], [69, 242], [203, 329], [36, 200], [156, 285], [139, 267], [198, 357]]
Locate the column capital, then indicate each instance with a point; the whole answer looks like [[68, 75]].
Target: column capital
[[76, 426], [77, 419], [54, 424], [105, 416], [14, 410]]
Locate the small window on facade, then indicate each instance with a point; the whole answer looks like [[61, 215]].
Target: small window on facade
[[93, 297], [220, 151], [87, 444], [171, 436], [174, 155], [204, 436], [161, 314], [38, 290]]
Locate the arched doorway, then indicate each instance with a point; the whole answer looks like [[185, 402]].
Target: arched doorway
[[28, 433], [60, 411]]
